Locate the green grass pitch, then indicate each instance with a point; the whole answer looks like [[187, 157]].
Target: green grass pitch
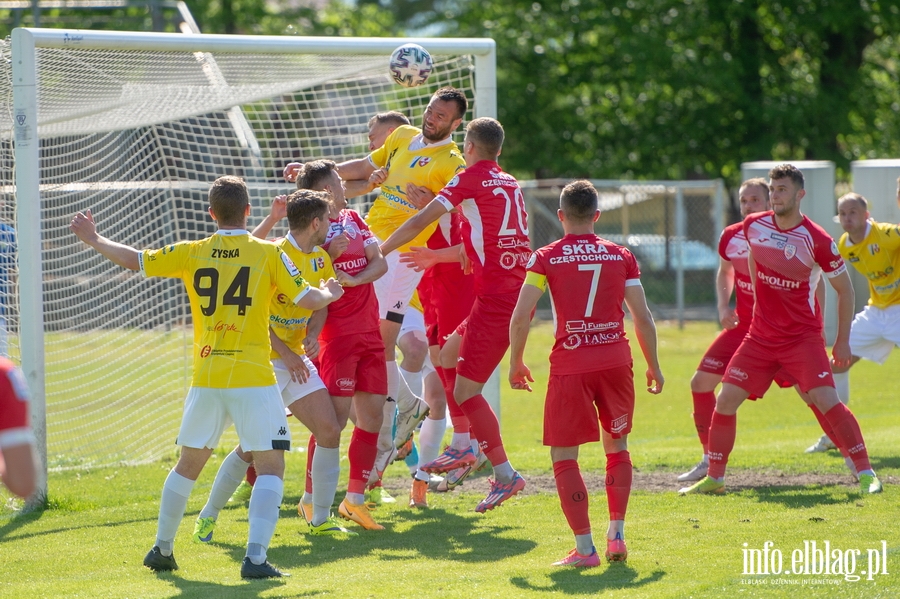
[[99, 524]]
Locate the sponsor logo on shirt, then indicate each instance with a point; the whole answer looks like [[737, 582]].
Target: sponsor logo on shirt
[[780, 240], [419, 161], [224, 328], [874, 249], [288, 322], [778, 282], [205, 351], [589, 339], [317, 263], [289, 265], [744, 285], [509, 260], [580, 326]]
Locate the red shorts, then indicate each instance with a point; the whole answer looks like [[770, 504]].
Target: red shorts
[[453, 299], [351, 363], [755, 365], [576, 403], [485, 336], [722, 349]]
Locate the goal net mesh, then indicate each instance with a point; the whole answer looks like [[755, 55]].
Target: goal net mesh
[[137, 137]]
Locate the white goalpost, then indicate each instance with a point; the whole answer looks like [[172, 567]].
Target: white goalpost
[[135, 126]]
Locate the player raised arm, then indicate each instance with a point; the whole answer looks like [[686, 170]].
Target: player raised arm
[[645, 331], [357, 176], [278, 212], [519, 325], [415, 225], [724, 287], [86, 230], [840, 352]]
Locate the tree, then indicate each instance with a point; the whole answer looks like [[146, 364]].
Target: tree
[[666, 89]]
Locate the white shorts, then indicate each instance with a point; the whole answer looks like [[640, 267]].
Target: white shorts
[[290, 389], [875, 332], [413, 322], [257, 414], [395, 288]]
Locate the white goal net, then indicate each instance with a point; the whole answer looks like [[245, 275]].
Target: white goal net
[[135, 127]]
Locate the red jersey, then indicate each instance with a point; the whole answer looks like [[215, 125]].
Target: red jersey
[[454, 286], [494, 228], [15, 426], [357, 310], [788, 267], [587, 276], [733, 247]]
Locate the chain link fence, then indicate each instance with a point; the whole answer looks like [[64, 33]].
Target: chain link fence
[[672, 227]]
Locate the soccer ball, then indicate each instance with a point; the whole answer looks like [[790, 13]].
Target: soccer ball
[[411, 65]]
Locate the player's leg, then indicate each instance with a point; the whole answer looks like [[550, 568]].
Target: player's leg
[[829, 433], [750, 372], [202, 424], [808, 364], [430, 436], [316, 411], [722, 433], [847, 434], [574, 500], [411, 408], [229, 476], [258, 414], [361, 454], [703, 387]]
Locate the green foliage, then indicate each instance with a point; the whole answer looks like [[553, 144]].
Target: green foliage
[[672, 89]]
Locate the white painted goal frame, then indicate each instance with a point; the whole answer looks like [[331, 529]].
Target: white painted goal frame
[[27, 121]]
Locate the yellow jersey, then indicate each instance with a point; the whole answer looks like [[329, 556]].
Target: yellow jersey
[[286, 318], [432, 166], [416, 302], [230, 279], [877, 256]]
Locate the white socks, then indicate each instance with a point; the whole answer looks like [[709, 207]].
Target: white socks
[[430, 438], [325, 472], [228, 478], [842, 386], [263, 515], [175, 493]]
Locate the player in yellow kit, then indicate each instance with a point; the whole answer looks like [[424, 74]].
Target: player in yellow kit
[[873, 249], [410, 168], [292, 331], [230, 278]]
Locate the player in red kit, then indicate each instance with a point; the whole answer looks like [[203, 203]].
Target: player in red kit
[[495, 237], [591, 380], [788, 254], [18, 455]]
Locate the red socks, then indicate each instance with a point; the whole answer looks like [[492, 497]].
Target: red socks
[[251, 475], [485, 427], [848, 436], [704, 405], [619, 473], [361, 455], [572, 495], [457, 416], [722, 431]]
